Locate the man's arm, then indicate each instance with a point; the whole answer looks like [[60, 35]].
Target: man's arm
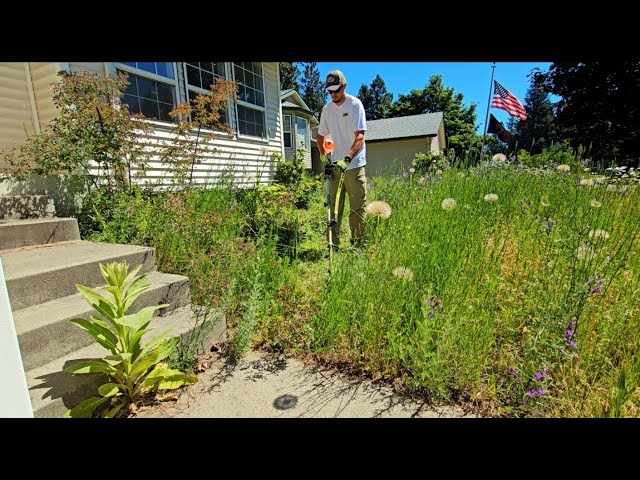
[[357, 143], [320, 143]]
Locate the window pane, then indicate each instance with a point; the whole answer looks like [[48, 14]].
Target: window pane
[[147, 88], [165, 92], [165, 108], [193, 76], [132, 89], [207, 80], [287, 140], [218, 68], [259, 99], [134, 106], [165, 69], [147, 66], [149, 108]]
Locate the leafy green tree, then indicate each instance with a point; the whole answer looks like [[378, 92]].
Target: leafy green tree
[[377, 101], [289, 74], [537, 132], [313, 89], [599, 107], [459, 121]]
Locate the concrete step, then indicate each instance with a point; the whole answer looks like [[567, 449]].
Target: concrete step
[[45, 331], [26, 206], [42, 273], [37, 231], [54, 391]]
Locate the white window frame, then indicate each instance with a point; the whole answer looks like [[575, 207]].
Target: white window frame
[[193, 88], [306, 137], [158, 78], [286, 117], [252, 106]]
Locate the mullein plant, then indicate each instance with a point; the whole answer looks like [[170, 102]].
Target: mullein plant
[[133, 369]]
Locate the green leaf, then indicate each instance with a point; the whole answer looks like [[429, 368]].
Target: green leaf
[[111, 389], [131, 275], [91, 366], [141, 318], [85, 408], [101, 334], [112, 413], [114, 360], [134, 341], [167, 379], [153, 356], [137, 287], [104, 306]]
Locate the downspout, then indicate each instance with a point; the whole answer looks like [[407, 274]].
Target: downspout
[[32, 98]]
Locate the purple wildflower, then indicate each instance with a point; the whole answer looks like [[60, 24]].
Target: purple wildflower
[[432, 314], [576, 357], [573, 344], [585, 229], [595, 290], [513, 372], [563, 386], [540, 375], [535, 393], [405, 175]]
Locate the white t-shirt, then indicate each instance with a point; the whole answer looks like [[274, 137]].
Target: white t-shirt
[[341, 121]]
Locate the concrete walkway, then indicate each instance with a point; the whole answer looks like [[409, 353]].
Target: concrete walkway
[[272, 386]]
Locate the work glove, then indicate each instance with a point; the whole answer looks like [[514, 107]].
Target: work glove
[[328, 169], [343, 164]]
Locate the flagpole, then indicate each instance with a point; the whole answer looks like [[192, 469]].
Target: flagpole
[[484, 135]]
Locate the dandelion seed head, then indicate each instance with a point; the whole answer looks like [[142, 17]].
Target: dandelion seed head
[[563, 168], [448, 204], [596, 204], [403, 273], [378, 208], [499, 157], [491, 197], [412, 171], [598, 233], [587, 182]]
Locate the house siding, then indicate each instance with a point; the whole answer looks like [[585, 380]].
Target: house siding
[[44, 75], [249, 158], [246, 159], [394, 156], [16, 113]]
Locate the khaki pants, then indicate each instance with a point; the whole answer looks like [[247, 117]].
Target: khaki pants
[[355, 184]]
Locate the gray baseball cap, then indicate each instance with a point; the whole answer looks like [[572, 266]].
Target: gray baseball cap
[[335, 78]]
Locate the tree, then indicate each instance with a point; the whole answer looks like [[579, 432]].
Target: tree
[[289, 74], [376, 100], [459, 121], [313, 89], [599, 107], [537, 132]]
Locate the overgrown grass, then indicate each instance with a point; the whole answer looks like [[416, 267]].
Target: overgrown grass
[[526, 305]]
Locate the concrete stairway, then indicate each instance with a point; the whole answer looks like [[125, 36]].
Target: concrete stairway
[[43, 260]]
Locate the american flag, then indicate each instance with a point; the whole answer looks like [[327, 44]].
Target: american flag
[[504, 99]]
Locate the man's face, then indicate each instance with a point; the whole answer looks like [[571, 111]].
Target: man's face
[[337, 94]]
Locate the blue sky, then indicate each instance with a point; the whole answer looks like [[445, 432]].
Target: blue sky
[[472, 79]]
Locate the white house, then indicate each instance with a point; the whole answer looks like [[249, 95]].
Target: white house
[[26, 105]]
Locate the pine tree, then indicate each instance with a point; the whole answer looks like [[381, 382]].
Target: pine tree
[[289, 74], [313, 89], [537, 132], [376, 100]]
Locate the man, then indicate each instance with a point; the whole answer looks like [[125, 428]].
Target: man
[[344, 119]]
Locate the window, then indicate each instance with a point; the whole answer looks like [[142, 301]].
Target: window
[[250, 103], [301, 132], [286, 130], [199, 78], [151, 90]]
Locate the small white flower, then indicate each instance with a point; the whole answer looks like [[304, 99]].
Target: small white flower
[[412, 171], [448, 204], [563, 168], [599, 234], [491, 197], [587, 169], [596, 204], [403, 273], [499, 157], [378, 208], [586, 181]]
